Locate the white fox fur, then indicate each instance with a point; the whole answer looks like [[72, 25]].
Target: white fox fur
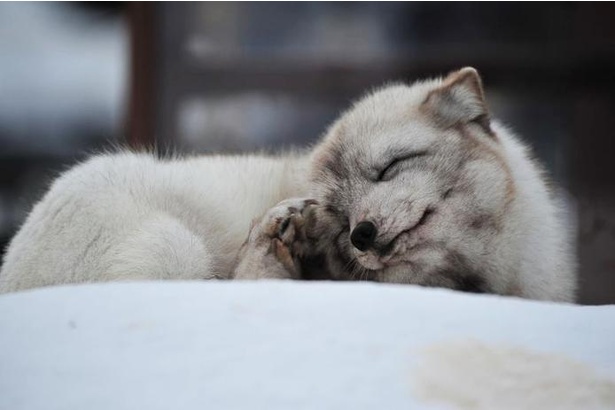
[[129, 216]]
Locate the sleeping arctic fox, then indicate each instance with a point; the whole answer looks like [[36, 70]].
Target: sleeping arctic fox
[[413, 184]]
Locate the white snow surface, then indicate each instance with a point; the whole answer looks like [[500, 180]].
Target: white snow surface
[[295, 345]]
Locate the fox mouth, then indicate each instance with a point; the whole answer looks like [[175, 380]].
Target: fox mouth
[[369, 264], [372, 266], [379, 257], [371, 261], [392, 252], [396, 255], [374, 262]]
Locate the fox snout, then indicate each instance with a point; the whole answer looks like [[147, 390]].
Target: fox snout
[[363, 235], [368, 235]]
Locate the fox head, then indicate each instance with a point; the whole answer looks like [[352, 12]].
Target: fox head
[[414, 186]]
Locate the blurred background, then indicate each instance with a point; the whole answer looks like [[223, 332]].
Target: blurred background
[[209, 77]]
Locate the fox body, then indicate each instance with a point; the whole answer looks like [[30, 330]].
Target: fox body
[[130, 216], [413, 184]]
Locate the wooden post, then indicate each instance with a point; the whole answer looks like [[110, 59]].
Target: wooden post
[[142, 95]]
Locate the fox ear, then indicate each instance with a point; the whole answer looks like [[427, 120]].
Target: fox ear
[[459, 100]]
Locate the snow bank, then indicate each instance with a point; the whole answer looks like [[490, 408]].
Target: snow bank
[[299, 345]]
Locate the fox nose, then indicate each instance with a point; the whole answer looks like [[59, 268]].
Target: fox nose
[[363, 235]]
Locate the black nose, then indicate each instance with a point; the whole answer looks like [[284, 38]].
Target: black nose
[[363, 235]]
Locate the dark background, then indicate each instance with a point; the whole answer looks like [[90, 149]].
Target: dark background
[[201, 77]]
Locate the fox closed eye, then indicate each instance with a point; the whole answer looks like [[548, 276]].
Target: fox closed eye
[[388, 172]]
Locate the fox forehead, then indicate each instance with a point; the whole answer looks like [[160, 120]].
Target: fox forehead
[[385, 122], [391, 113], [393, 100], [362, 147], [387, 141]]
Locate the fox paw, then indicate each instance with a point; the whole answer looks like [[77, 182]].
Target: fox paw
[[276, 241]]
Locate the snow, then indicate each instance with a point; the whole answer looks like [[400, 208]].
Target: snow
[[292, 345]]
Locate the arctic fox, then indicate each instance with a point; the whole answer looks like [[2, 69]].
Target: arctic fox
[[413, 184]]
